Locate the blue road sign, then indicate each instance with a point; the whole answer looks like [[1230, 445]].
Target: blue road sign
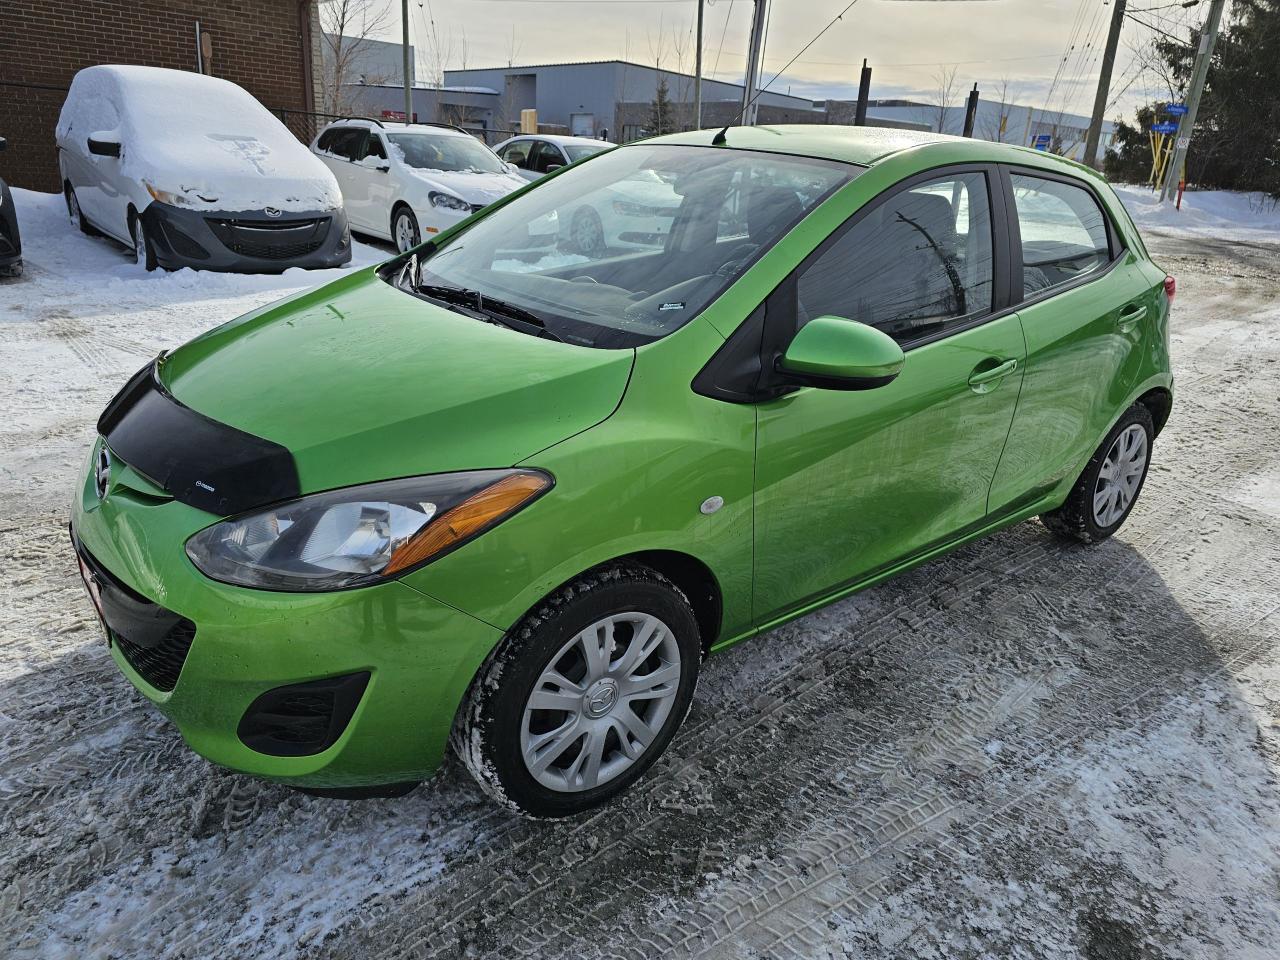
[[1177, 109], [1041, 141], [1166, 127]]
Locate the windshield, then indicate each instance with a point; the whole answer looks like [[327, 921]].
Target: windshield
[[629, 246], [577, 151], [453, 154]]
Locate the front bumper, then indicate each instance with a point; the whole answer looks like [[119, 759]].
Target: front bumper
[[247, 241], [412, 656]]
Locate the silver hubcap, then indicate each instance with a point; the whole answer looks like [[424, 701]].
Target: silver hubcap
[[587, 233], [600, 702], [406, 233], [1120, 476]]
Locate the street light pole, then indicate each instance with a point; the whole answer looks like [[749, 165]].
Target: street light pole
[[408, 84], [754, 56], [1187, 122], [697, 79], [1104, 85]]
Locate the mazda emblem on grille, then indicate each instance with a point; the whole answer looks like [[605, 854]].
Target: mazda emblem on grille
[[271, 211], [102, 472]]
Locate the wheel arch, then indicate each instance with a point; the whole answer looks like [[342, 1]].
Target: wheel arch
[[1159, 402]]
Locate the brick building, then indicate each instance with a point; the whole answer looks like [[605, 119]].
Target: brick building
[[266, 46]]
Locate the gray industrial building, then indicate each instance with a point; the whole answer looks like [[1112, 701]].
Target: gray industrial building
[[615, 100]]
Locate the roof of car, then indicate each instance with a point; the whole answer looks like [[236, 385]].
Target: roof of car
[[867, 145], [395, 126], [562, 138]]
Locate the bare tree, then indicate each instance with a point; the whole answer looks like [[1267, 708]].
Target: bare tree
[[996, 128], [346, 29], [945, 87]]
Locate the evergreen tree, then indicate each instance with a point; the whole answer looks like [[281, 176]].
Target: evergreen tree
[[1236, 141], [660, 111]]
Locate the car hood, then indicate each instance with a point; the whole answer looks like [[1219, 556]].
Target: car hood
[[363, 382], [479, 188]]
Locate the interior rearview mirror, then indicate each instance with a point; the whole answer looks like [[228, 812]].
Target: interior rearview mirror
[[839, 354], [101, 145]]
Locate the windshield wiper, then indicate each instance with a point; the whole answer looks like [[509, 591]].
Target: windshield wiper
[[498, 311]]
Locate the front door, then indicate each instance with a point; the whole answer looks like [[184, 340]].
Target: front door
[[1086, 304], [848, 483]]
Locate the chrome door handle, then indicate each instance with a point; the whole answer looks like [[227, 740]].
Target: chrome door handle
[[1130, 317], [983, 381]]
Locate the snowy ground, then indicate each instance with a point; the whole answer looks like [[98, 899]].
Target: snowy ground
[[1022, 750]]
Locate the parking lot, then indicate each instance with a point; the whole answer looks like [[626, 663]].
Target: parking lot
[[1026, 749]]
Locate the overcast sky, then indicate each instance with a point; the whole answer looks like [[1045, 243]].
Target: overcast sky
[[907, 41]]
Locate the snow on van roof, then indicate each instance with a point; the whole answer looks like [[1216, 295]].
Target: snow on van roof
[[200, 137]]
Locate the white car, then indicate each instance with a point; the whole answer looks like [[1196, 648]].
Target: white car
[[405, 182], [191, 170], [537, 155]]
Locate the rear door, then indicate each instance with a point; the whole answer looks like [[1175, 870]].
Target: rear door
[[851, 483], [1083, 311], [339, 157], [366, 191]]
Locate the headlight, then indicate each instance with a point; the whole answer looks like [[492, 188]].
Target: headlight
[[362, 535], [166, 196], [448, 201]]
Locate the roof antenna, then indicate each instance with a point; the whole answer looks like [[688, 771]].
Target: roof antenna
[[719, 138]]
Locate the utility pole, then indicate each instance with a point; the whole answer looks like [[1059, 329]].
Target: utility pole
[[971, 111], [1104, 85], [697, 71], [408, 83], [755, 53], [864, 93], [1187, 122]]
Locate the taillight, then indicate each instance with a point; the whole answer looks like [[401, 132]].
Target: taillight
[[1170, 287]]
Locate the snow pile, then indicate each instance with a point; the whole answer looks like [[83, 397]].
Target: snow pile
[[204, 139], [1223, 214]]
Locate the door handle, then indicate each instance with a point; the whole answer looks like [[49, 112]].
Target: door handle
[[1130, 316], [984, 381]]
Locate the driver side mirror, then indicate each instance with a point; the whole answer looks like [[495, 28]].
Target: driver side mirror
[[554, 166], [3, 143], [100, 145], [383, 168], [838, 354], [513, 167]]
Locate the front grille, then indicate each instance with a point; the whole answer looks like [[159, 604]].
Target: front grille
[[268, 240], [153, 640], [161, 664]]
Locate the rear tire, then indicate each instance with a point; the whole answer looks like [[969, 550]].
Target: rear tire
[[76, 214], [1103, 497], [583, 695]]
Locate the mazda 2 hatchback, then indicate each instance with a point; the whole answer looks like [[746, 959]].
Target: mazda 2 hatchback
[[510, 493]]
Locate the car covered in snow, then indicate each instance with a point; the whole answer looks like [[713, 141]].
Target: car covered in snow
[[510, 499], [10, 241], [191, 171], [408, 182], [536, 155]]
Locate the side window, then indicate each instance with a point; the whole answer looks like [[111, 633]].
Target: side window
[[1064, 232], [326, 140], [373, 147], [517, 153], [346, 142], [916, 264], [543, 156]]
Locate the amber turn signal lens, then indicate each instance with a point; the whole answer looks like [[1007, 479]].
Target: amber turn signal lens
[[475, 514]]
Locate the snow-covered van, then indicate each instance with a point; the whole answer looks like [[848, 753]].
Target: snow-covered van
[[192, 171]]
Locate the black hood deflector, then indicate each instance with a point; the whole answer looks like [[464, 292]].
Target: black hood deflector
[[197, 461]]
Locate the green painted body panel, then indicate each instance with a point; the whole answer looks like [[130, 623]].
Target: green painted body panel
[[362, 382], [825, 492]]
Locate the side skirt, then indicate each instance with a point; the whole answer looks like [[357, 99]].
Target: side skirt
[[1016, 516]]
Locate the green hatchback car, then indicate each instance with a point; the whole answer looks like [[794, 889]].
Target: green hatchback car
[[510, 491]]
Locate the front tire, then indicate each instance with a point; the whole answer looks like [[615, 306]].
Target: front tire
[[144, 254], [583, 695], [587, 233], [76, 214], [404, 229], [1102, 498]]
